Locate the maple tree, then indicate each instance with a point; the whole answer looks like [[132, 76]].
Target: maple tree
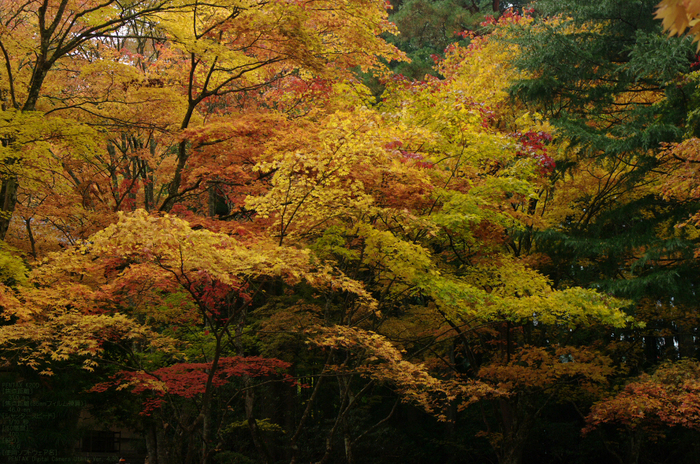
[[130, 83], [669, 397], [464, 169], [666, 398], [37, 38], [114, 303]]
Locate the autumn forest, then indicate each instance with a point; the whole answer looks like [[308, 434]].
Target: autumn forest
[[350, 231]]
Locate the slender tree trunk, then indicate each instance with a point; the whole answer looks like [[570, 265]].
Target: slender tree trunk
[[348, 443], [8, 196], [290, 400], [149, 198], [30, 234], [161, 447], [634, 449], [451, 417], [516, 420], [294, 447], [206, 437], [344, 384], [182, 154], [253, 424], [151, 446]]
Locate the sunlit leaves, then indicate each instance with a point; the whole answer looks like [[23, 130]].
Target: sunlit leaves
[[138, 259], [315, 183], [381, 361], [65, 334]]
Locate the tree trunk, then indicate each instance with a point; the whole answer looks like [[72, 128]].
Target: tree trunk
[[348, 444], [8, 196], [252, 423], [151, 446], [161, 448], [517, 420], [149, 199], [636, 438]]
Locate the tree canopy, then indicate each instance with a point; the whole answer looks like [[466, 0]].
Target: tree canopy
[[257, 232]]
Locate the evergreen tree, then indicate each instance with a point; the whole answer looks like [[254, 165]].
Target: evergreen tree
[[617, 90]]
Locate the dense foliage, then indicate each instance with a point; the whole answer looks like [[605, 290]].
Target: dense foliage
[[217, 236]]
